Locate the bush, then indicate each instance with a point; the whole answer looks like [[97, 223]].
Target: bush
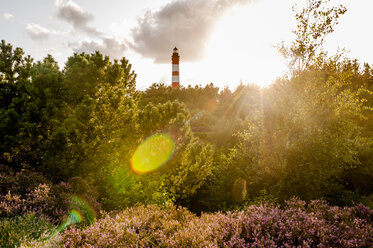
[[29, 192], [139, 226], [297, 224]]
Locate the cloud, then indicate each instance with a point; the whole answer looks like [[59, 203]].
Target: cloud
[[80, 19], [72, 13], [7, 16], [109, 46], [37, 32], [186, 24]]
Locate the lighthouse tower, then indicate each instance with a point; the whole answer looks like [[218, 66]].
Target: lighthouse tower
[[175, 69]]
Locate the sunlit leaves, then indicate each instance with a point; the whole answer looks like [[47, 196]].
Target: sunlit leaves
[[315, 21]]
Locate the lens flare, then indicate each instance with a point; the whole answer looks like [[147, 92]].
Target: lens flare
[[84, 209], [152, 153], [73, 218], [81, 211], [196, 116]]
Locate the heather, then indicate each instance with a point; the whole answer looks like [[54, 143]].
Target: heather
[[30, 192], [297, 224], [26, 192]]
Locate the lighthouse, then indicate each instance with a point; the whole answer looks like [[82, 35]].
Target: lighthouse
[[175, 69]]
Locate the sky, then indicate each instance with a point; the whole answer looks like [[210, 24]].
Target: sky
[[225, 42]]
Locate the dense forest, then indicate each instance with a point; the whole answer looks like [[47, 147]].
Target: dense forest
[[88, 160]]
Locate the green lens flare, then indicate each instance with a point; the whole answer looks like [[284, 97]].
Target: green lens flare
[[73, 218], [81, 211], [85, 210], [152, 153]]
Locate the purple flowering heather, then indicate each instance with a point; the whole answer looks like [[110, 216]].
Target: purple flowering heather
[[296, 225]]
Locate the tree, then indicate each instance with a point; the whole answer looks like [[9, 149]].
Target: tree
[[314, 22], [309, 130], [30, 100], [99, 115], [178, 178]]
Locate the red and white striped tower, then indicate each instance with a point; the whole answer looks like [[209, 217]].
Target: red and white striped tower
[[175, 69]]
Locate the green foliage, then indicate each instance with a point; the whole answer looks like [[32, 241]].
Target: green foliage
[[307, 130], [232, 113], [125, 189], [167, 117], [65, 123], [195, 98], [190, 169], [28, 227], [15, 71], [179, 178], [100, 117], [308, 134], [315, 21]]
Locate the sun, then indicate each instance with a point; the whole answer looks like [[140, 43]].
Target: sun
[[241, 47]]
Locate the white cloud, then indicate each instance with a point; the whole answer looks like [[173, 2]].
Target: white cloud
[[186, 24], [80, 19], [72, 13], [7, 16], [37, 32], [109, 46]]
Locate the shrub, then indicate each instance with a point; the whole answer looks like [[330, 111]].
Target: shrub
[[139, 226], [296, 225], [30, 192], [24, 192]]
